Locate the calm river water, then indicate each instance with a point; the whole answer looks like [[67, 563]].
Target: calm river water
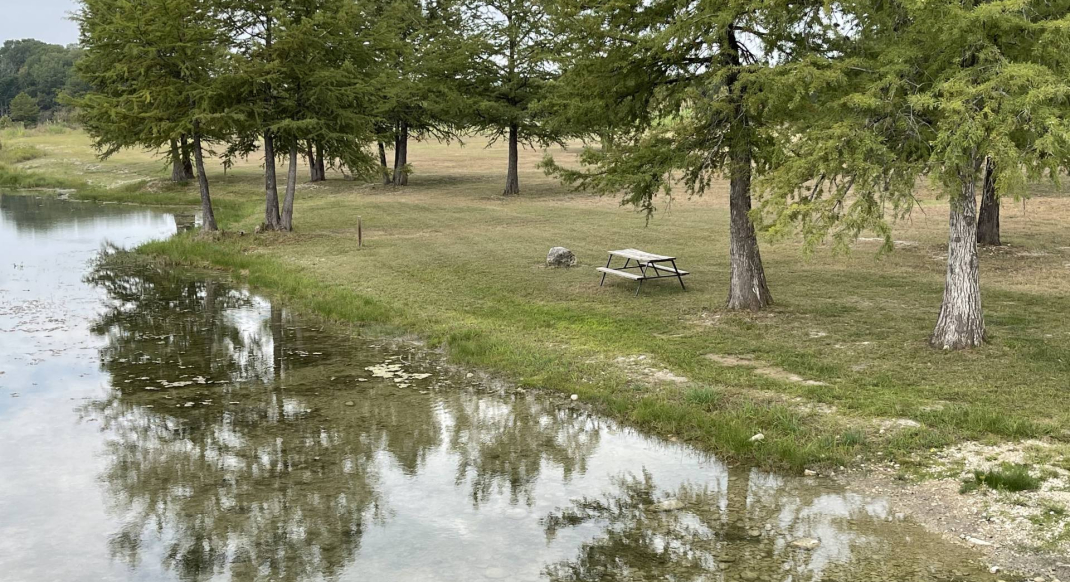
[[160, 425]]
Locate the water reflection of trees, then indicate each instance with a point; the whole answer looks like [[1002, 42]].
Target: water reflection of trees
[[44, 214], [164, 326], [505, 446], [240, 443], [228, 463], [739, 527]]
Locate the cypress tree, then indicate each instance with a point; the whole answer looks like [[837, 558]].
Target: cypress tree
[[326, 69], [24, 109], [423, 56], [152, 67], [686, 91], [512, 42], [942, 89]]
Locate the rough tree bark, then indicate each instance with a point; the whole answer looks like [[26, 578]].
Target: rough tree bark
[[388, 178], [747, 288], [397, 154], [988, 219], [512, 178], [321, 171], [401, 155], [310, 153], [608, 141], [207, 216], [271, 189], [961, 323], [291, 187], [187, 165], [178, 173]]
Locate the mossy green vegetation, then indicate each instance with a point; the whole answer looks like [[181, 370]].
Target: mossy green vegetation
[[19, 153], [451, 260], [1007, 477]]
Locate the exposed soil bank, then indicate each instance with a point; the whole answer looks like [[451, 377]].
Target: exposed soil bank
[[1023, 531]]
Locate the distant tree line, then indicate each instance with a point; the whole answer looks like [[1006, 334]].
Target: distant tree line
[[822, 116], [33, 76]]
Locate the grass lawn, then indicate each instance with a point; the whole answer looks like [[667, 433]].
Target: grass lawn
[[839, 367]]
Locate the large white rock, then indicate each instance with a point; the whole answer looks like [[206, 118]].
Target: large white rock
[[560, 257]]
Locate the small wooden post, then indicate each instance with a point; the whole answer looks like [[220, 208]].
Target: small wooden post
[[360, 234]]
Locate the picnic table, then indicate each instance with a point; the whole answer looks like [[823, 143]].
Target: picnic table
[[647, 266]]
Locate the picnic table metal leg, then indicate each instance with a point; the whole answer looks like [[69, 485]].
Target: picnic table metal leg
[[679, 277], [603, 274], [642, 269]]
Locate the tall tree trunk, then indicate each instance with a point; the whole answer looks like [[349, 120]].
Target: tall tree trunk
[[608, 140], [178, 173], [961, 323], [321, 171], [291, 186], [401, 155], [187, 165], [311, 154], [397, 147], [207, 216], [388, 178], [512, 179], [271, 189], [988, 219], [747, 288]]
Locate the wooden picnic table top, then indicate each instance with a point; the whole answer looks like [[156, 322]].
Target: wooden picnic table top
[[641, 256]]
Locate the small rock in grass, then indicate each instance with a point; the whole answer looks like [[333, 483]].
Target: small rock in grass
[[810, 473], [350, 403], [757, 437], [575, 397]]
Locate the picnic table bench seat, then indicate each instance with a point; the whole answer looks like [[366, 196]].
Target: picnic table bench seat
[[625, 274], [647, 266]]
